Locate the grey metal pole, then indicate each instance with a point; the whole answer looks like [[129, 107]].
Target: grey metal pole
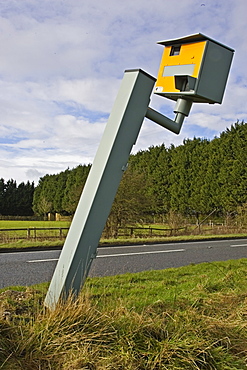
[[120, 134]]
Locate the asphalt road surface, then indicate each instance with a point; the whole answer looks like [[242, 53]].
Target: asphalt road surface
[[28, 268]]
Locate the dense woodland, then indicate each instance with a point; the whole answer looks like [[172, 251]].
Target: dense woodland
[[16, 200], [195, 178]]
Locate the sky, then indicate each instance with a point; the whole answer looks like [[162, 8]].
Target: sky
[[62, 62]]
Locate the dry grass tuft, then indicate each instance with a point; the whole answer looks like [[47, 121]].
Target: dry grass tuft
[[203, 327]]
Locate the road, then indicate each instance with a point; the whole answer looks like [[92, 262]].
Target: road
[[28, 268]]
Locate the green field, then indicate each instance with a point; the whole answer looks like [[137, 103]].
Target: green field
[[16, 234], [25, 224], [192, 317]]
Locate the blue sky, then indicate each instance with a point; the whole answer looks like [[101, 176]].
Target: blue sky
[[62, 62]]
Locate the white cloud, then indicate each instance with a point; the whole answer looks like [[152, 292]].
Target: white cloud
[[91, 93], [62, 63]]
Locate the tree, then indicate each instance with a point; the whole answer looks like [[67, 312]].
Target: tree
[[2, 192], [180, 179], [61, 181], [44, 195], [74, 185], [24, 199], [154, 165], [200, 196], [129, 204], [10, 198]]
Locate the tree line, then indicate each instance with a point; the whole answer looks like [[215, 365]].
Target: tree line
[[196, 178], [200, 175], [16, 200], [60, 193]]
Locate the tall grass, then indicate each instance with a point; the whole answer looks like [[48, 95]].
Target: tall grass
[[192, 317]]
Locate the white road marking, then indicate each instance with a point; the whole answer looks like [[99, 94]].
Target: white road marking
[[117, 255], [48, 260], [29, 252], [238, 245], [138, 253], [189, 242]]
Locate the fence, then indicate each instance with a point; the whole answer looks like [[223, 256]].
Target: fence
[[149, 231], [144, 232], [33, 233], [51, 233], [59, 233]]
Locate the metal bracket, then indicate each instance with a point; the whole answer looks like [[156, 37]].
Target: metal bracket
[[182, 109]]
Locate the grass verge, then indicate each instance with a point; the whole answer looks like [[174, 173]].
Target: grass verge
[[27, 244], [193, 317]]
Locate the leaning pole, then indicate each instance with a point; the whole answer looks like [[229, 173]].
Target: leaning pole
[[111, 159]]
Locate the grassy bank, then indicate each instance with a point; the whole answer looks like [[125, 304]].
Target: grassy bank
[[193, 317]]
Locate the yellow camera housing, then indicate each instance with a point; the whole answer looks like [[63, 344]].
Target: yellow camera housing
[[194, 68]]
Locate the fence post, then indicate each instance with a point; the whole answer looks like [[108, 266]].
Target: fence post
[[131, 231]]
